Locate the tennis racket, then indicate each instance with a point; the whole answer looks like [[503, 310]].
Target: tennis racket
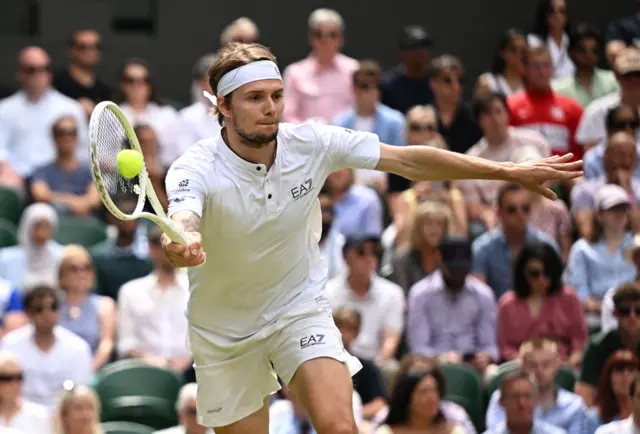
[[109, 133]]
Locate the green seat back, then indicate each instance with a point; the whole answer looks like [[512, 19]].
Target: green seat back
[[11, 205], [86, 231], [8, 233], [123, 427], [464, 387]]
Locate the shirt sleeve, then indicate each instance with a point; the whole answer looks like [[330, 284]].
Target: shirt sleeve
[[591, 128], [495, 412], [394, 318], [185, 187], [346, 148], [609, 321], [577, 275], [15, 302]]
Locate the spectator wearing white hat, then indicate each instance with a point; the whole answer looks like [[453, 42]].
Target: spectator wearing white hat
[[186, 408]]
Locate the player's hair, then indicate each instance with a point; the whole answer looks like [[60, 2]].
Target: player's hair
[[233, 56], [369, 69]]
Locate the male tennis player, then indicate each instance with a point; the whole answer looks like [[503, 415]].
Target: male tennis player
[[248, 198]]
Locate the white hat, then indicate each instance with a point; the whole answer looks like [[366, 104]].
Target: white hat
[[611, 195]]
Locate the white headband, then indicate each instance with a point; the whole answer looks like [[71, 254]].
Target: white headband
[[254, 71]]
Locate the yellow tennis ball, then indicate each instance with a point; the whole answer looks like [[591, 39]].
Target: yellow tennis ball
[[130, 163]]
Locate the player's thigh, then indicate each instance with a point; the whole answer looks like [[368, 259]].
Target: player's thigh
[[255, 423]]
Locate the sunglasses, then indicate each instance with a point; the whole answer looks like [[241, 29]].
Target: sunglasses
[[626, 123], [512, 209], [39, 308], [35, 69], [62, 132], [9, 378], [88, 47], [626, 310], [325, 35], [417, 127], [535, 273], [135, 80], [367, 86]]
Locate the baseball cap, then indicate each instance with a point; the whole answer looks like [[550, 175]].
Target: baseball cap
[[357, 240], [455, 251], [611, 195], [628, 61], [415, 37]]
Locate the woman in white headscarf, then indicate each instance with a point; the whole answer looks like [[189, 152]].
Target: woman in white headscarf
[[35, 259]]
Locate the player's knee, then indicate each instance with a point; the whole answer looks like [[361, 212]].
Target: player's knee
[[338, 426]]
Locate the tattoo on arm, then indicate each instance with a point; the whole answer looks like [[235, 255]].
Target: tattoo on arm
[[189, 221]]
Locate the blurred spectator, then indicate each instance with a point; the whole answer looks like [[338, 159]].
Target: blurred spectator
[[12, 314], [589, 82], [500, 142], [65, 183], [555, 406], [612, 399], [427, 226], [368, 114], [619, 118], [609, 320], [380, 302], [495, 251], [519, 399], [620, 158], [124, 257], [539, 306], [152, 160], [5, 91], [78, 412], [357, 209], [138, 99], [79, 79], [187, 411], [407, 85], [592, 127], [368, 382], [632, 423], [242, 30], [415, 405], [539, 108], [197, 120], [625, 30], [452, 292], [51, 356], [34, 260], [90, 316], [15, 411], [455, 122], [151, 322], [331, 240], [602, 345], [550, 30], [553, 218], [598, 262], [27, 116], [507, 70], [320, 86]]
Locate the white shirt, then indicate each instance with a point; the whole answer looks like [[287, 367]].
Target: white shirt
[[331, 252], [152, 320], [261, 228], [26, 141], [31, 419], [197, 124], [625, 426], [562, 63], [592, 127], [177, 430], [608, 320], [381, 309], [45, 373]]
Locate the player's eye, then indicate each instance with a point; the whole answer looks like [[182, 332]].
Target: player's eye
[[255, 97], [277, 96]]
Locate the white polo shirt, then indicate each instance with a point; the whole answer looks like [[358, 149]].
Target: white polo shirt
[[261, 228]]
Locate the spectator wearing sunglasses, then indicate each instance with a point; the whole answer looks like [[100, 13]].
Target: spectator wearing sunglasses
[[186, 409], [494, 251], [16, 412], [79, 80], [602, 345], [52, 357], [589, 82], [541, 306], [368, 114], [320, 86], [66, 183]]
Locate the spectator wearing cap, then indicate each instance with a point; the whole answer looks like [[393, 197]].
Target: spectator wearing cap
[[452, 292], [540, 306], [506, 76], [598, 262], [602, 345], [52, 357], [620, 158], [455, 121], [242, 30], [539, 108], [320, 86], [494, 251], [151, 321], [381, 303], [589, 82], [619, 118], [368, 114], [592, 128], [196, 119], [407, 85], [187, 411], [551, 29]]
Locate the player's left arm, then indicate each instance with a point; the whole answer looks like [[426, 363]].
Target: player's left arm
[[425, 163]]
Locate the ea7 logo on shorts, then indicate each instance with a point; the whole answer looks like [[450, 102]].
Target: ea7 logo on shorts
[[303, 190], [312, 340], [214, 410], [183, 183]]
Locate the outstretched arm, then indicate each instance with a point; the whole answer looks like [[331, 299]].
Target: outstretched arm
[[180, 255], [187, 221], [425, 163]]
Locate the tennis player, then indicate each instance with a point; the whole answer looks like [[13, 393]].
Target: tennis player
[[248, 200]]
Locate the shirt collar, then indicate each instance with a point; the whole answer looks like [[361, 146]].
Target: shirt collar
[[258, 170]]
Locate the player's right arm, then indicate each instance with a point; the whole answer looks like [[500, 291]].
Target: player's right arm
[[180, 255]]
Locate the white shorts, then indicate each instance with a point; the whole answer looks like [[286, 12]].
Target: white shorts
[[234, 379]]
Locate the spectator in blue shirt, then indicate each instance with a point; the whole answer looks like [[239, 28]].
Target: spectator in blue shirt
[[12, 314]]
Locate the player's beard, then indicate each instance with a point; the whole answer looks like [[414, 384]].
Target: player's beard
[[255, 140]]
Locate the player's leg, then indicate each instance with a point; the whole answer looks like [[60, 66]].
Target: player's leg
[[256, 423]]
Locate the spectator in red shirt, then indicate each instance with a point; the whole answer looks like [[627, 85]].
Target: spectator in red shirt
[[553, 115]]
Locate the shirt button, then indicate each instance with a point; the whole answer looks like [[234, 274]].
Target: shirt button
[[269, 197], [258, 168]]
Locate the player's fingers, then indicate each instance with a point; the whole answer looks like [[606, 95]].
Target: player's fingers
[[195, 243], [574, 165], [175, 248], [561, 158]]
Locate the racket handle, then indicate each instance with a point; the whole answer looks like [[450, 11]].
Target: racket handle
[[176, 235]]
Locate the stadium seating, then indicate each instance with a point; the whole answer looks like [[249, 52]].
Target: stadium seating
[[464, 387], [120, 427], [566, 378], [12, 205], [8, 233], [86, 231]]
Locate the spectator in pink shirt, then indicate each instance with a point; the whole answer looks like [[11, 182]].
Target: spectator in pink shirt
[[320, 86]]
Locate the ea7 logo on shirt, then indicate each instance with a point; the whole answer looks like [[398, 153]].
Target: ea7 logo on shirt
[[183, 183], [303, 190], [312, 340]]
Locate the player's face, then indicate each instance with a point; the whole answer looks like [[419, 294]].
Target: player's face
[[255, 112]]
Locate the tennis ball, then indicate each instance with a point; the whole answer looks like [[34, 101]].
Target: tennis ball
[[130, 163]]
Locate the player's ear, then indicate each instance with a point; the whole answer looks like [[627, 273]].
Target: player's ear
[[224, 106]]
